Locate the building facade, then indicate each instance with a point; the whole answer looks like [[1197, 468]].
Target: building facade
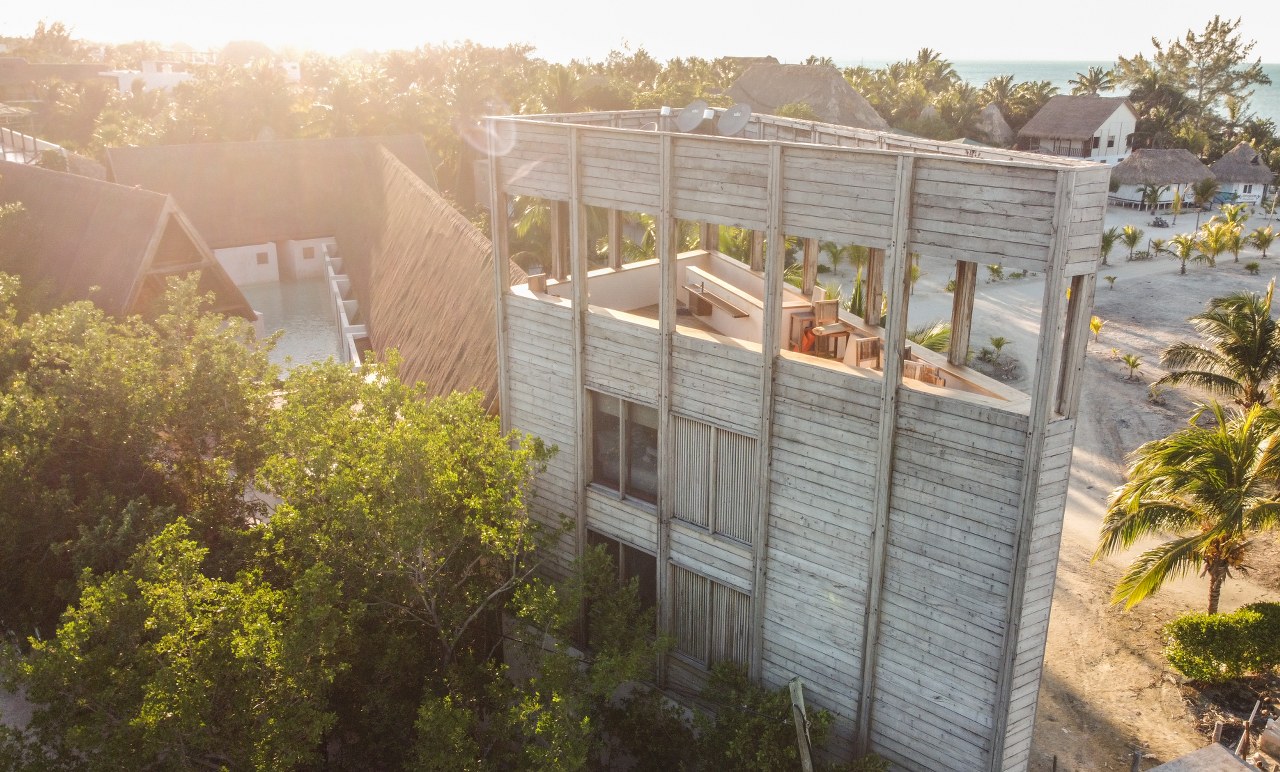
[[795, 488], [1094, 127]]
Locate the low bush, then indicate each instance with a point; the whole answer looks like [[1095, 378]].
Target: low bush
[[1222, 647], [1252, 268]]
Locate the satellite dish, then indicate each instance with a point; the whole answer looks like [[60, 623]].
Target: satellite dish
[[733, 121], [691, 116]]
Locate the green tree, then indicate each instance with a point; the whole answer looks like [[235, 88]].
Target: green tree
[[161, 666], [1151, 194], [1242, 358], [1109, 238], [1184, 246], [1214, 487], [1263, 238], [1204, 191], [1131, 237], [1214, 239], [1093, 82]]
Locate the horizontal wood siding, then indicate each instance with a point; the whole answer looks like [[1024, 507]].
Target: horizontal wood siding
[[983, 212], [1046, 535], [720, 182], [725, 561], [716, 383], [538, 161], [819, 543], [540, 370], [620, 171], [622, 520], [840, 196], [953, 512], [622, 358], [1089, 208]]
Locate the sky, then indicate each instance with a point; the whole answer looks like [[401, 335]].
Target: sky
[[850, 31]]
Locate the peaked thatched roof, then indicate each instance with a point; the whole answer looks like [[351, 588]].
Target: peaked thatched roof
[[79, 238], [766, 87], [1072, 117], [1160, 167], [993, 127], [431, 288], [1242, 164], [241, 193]]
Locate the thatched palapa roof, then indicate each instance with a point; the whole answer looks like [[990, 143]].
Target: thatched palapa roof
[[78, 238], [1242, 164], [1160, 167], [1072, 117], [431, 288], [766, 87]]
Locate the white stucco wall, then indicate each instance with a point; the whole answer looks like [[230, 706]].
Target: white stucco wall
[[152, 78], [1114, 131], [1246, 192], [245, 266], [307, 256], [1133, 194]]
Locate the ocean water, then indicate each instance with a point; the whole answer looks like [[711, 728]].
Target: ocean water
[[1265, 102]]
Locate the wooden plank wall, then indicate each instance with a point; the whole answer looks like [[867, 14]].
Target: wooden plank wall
[[622, 358], [1046, 536], [540, 371], [819, 536], [716, 384], [953, 513], [1090, 207]]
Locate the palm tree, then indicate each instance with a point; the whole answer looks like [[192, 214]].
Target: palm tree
[[1183, 245], [1151, 194], [1204, 191], [1131, 237], [1095, 326], [1109, 238], [1242, 358], [1215, 238], [1134, 363], [1175, 209], [935, 336], [1262, 239], [1095, 80], [1233, 237], [1212, 486]]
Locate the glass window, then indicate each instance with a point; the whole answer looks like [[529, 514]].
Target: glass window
[[1111, 141], [642, 567], [642, 452], [605, 440]]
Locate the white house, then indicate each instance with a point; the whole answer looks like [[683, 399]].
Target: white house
[[1242, 174], [1093, 127], [794, 487], [1168, 171]]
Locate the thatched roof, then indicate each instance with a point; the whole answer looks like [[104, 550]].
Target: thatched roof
[[240, 193], [431, 288], [766, 87], [1072, 117], [1160, 167], [993, 127], [1242, 164], [78, 238]]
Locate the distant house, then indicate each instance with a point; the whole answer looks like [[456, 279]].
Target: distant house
[[20, 79], [1242, 174], [419, 274], [1174, 170], [78, 238], [1093, 127], [766, 87]]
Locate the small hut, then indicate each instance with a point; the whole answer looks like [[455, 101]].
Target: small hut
[[1173, 170], [1242, 174], [1094, 127], [766, 87]]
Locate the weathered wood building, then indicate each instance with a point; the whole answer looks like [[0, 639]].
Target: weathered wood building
[[796, 488]]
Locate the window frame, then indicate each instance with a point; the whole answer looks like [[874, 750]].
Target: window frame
[[703, 614], [714, 475], [624, 489]]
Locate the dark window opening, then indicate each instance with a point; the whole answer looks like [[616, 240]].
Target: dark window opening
[[624, 447], [631, 564], [308, 253], [263, 258]]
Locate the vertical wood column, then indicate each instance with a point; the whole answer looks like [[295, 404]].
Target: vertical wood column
[[615, 239], [499, 229], [770, 341], [709, 237], [1043, 388], [1073, 348], [757, 250], [666, 441], [810, 268], [873, 289], [962, 311], [895, 335], [577, 244], [558, 215]]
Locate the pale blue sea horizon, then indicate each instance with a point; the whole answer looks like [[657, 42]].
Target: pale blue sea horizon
[[1265, 102]]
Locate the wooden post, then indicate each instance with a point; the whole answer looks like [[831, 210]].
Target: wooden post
[[559, 216], [709, 237], [666, 441], [499, 229], [802, 724], [757, 250], [873, 289], [615, 239], [962, 311], [1243, 746], [1043, 388], [770, 343], [894, 338], [1077, 341], [577, 243], [810, 267]]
